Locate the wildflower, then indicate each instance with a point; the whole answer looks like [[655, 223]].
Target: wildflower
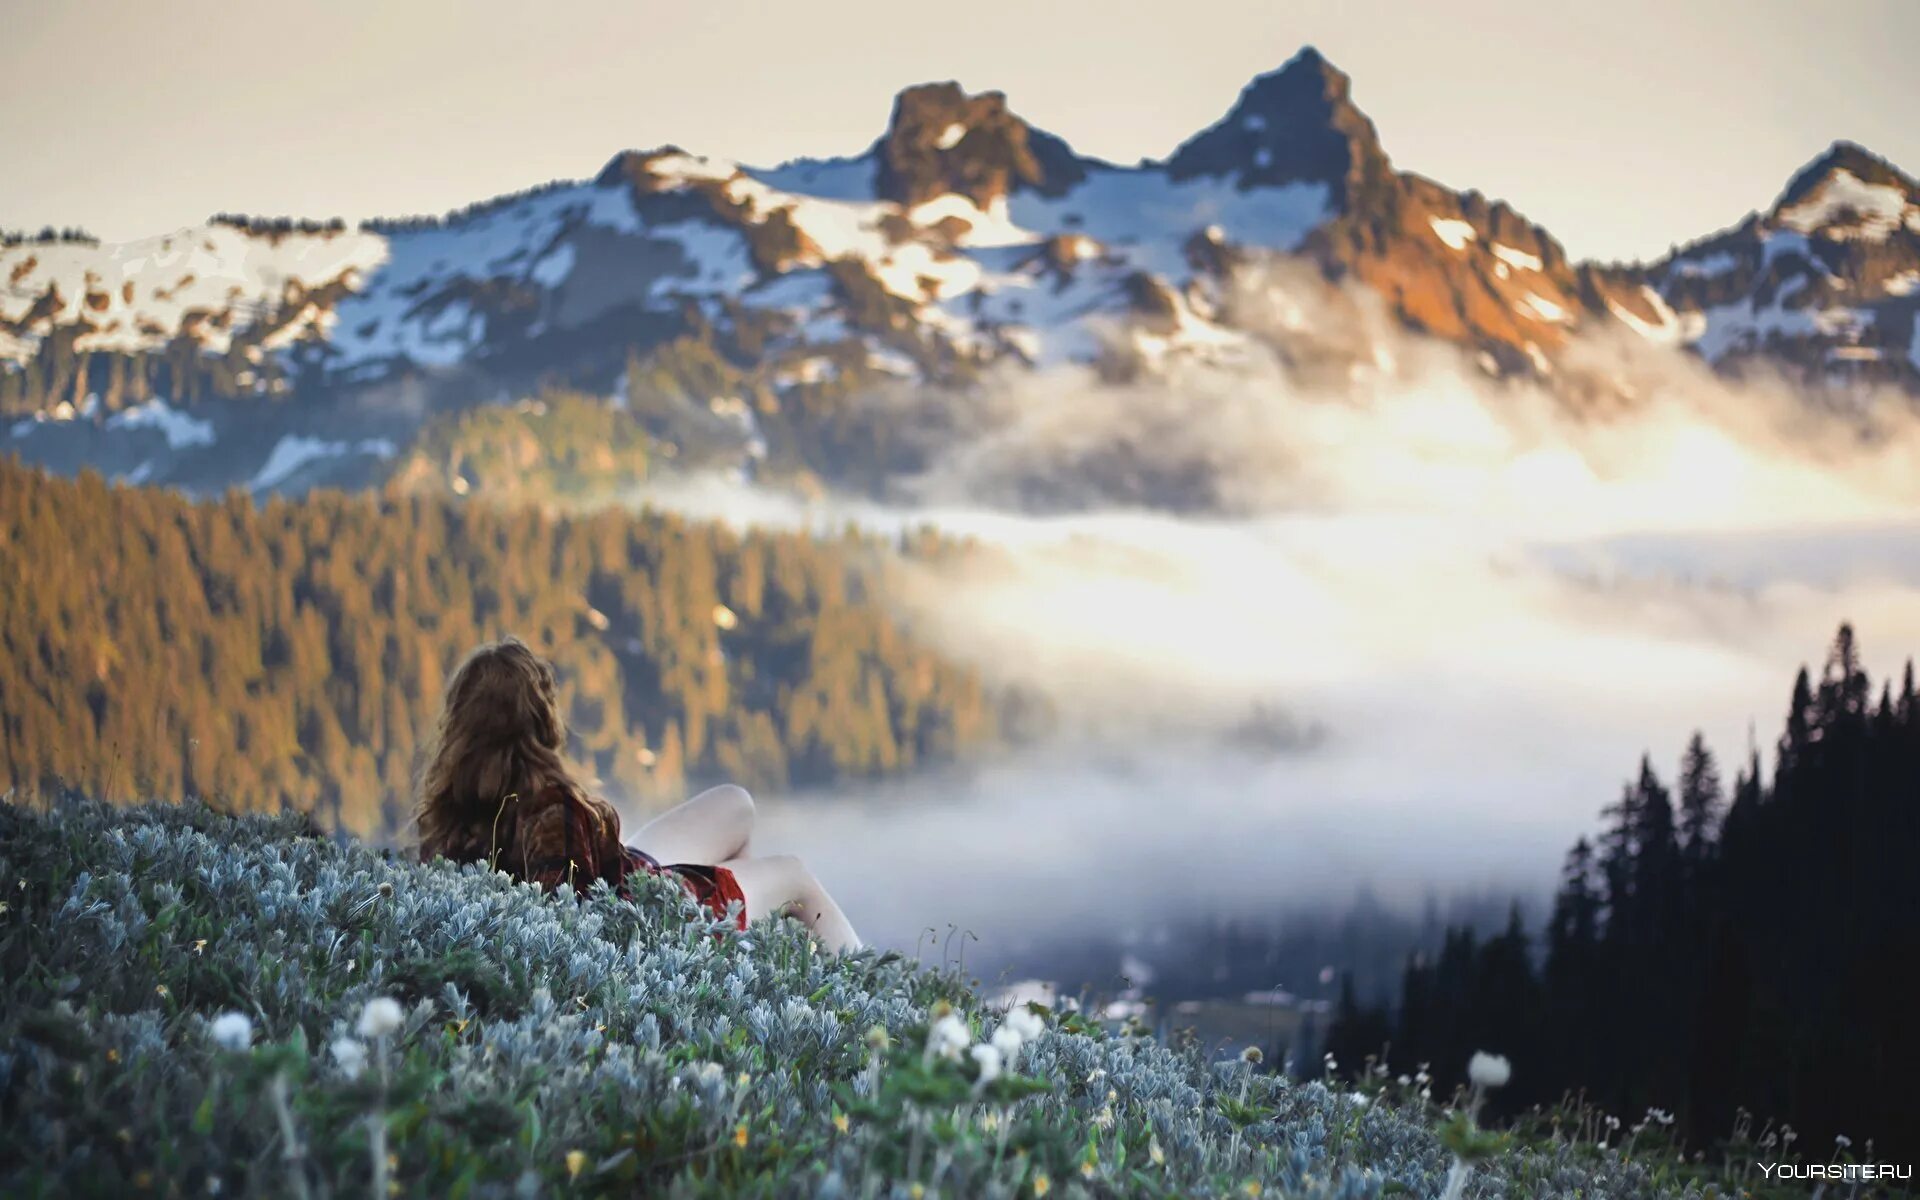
[[1841, 1141], [1096, 1075], [380, 1017], [232, 1031], [740, 1135], [576, 1163], [1251, 1187], [1251, 1056], [1104, 1118], [877, 1038], [161, 991], [113, 1056], [840, 1122], [988, 1057], [1007, 1042], [199, 945], [350, 1056], [1041, 1185], [1154, 1152], [1403, 1081], [990, 1121], [1332, 1064], [1026, 1023], [949, 1037], [743, 1079], [918, 1191], [386, 891], [1660, 1115], [1488, 1070]]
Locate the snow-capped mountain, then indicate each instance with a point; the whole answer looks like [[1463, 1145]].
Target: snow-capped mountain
[[961, 237], [1826, 281]]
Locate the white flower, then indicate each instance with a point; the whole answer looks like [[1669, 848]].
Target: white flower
[[1025, 1022], [1007, 1042], [233, 1031], [350, 1056], [949, 1037], [1104, 1118], [380, 1017], [1489, 1070], [988, 1057]]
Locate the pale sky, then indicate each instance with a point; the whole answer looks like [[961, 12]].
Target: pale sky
[[1621, 126]]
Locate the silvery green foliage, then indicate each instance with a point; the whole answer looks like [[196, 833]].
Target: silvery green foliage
[[550, 1046]]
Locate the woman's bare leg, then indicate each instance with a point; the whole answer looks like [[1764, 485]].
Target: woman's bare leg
[[711, 828], [781, 883]]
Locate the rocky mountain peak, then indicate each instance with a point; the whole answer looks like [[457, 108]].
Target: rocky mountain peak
[[1295, 124], [941, 140], [1849, 193]]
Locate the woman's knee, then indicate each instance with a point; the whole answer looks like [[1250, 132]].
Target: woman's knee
[[731, 800]]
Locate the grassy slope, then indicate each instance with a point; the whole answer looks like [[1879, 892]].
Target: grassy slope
[[553, 1048]]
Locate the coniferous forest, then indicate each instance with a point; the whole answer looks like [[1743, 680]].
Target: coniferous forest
[[1716, 948], [289, 654]]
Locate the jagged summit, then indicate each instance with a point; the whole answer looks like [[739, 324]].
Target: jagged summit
[[1849, 193], [941, 140], [1852, 158], [1295, 124]]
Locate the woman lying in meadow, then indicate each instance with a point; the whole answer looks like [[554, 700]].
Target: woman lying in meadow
[[496, 790]]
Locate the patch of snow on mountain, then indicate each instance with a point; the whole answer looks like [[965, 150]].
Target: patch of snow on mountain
[[1147, 217], [950, 136], [294, 451], [1517, 258], [138, 295], [1456, 234], [554, 267], [181, 430], [1544, 308], [988, 227], [1713, 264], [827, 179], [1668, 331], [1846, 207], [1903, 284], [396, 315], [1744, 326]]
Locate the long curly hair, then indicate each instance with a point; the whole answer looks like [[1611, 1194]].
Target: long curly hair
[[501, 735]]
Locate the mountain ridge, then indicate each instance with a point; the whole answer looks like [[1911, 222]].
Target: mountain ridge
[[961, 237]]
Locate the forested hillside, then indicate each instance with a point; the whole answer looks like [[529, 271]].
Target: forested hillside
[[290, 654], [1709, 953]]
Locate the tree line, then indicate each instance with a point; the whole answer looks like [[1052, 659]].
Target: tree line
[[292, 653], [1713, 949]]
